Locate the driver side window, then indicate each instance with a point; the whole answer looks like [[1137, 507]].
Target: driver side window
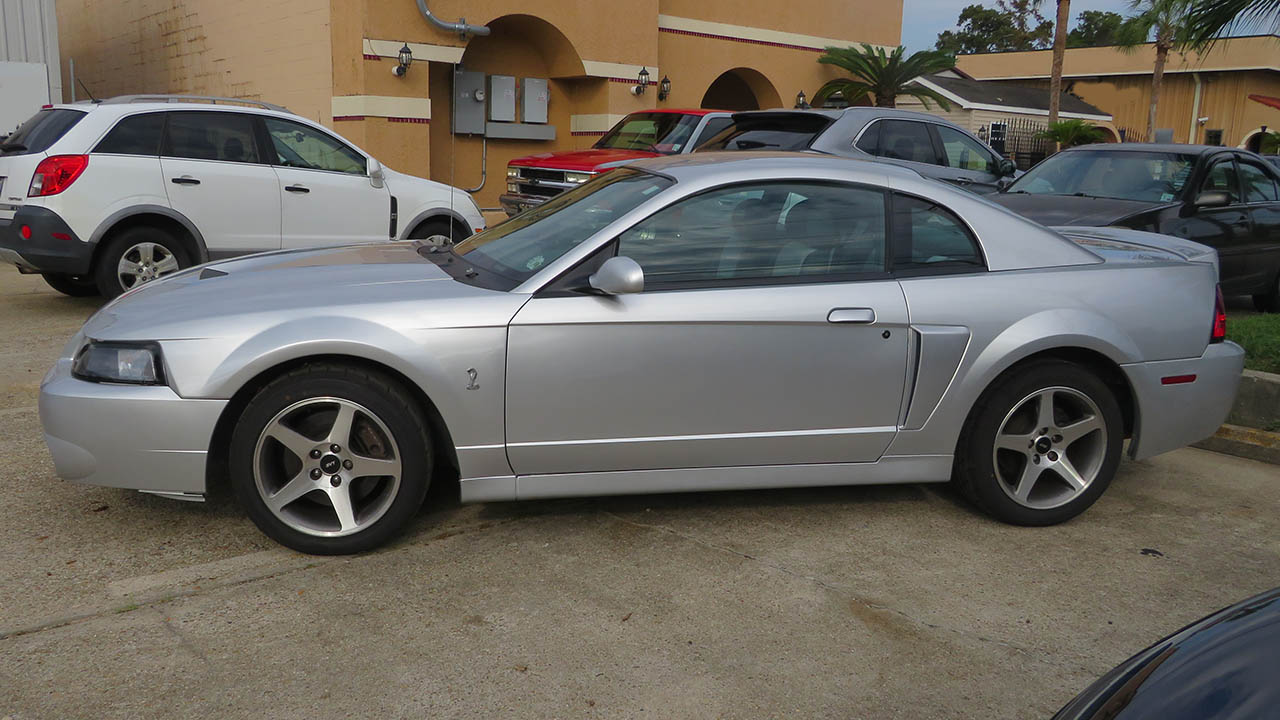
[[299, 146], [963, 152], [761, 233], [1222, 178]]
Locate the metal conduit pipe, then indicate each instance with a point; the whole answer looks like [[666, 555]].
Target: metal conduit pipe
[[484, 165], [461, 27]]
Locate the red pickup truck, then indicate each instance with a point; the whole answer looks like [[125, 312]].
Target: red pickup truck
[[533, 179]]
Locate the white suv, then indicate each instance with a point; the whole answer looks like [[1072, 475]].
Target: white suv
[[99, 197]]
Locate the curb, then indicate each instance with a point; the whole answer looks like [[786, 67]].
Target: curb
[[1244, 442]]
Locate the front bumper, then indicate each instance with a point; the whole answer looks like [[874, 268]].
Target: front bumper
[[516, 203], [1174, 416], [52, 247], [126, 436]]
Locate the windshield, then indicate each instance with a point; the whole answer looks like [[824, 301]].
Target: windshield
[[665, 133], [40, 131], [526, 243], [1121, 175], [786, 131]]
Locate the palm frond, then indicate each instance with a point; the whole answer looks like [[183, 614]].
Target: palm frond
[[881, 74]]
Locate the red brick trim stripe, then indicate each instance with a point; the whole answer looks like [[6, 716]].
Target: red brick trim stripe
[[582, 133], [367, 56], [421, 121], [749, 41]]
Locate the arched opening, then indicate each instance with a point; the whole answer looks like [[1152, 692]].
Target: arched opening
[[524, 46], [1256, 139], [1109, 134], [741, 89]]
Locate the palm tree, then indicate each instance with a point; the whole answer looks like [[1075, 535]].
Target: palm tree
[[883, 76], [1059, 54], [1166, 20], [1210, 19], [1069, 133]]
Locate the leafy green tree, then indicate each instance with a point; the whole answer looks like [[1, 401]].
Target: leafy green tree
[[1095, 28], [1211, 19], [1011, 25], [883, 76], [1269, 144], [1167, 21], [1068, 133]]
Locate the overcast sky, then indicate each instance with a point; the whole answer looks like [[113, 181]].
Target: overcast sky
[[922, 20]]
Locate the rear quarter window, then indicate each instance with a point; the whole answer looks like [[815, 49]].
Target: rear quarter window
[[134, 135], [41, 131]]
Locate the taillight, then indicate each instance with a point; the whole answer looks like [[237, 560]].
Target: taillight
[[1219, 319], [56, 173]]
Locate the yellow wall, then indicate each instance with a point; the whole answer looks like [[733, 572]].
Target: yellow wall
[[1120, 84], [272, 50]]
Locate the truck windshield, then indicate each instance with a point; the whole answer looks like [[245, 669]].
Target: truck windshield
[[528, 242], [40, 131], [1116, 174], [664, 133]]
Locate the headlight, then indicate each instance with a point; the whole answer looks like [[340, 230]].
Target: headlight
[[579, 178], [513, 172], [117, 362], [513, 187]]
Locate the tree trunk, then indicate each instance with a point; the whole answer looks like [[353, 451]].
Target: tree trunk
[[886, 100], [1059, 52], [1157, 77]]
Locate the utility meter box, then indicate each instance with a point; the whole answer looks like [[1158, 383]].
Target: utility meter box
[[534, 98], [468, 102], [502, 98]]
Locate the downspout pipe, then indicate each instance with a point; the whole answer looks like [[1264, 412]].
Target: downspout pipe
[[461, 27], [1193, 133]]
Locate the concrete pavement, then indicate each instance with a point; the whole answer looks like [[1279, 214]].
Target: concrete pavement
[[894, 602]]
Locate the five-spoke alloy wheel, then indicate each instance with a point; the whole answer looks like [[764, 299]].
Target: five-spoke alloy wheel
[[330, 459], [1041, 445]]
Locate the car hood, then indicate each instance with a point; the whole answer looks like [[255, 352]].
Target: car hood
[[581, 160], [1070, 209], [228, 298]]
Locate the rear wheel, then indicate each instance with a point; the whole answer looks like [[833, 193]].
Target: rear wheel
[[73, 285], [136, 256], [331, 459], [1042, 445]]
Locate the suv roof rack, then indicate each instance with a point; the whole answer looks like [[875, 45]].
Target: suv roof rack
[[211, 99]]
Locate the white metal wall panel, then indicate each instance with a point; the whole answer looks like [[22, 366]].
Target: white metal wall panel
[[29, 34]]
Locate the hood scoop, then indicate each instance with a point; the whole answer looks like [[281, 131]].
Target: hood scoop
[[207, 273]]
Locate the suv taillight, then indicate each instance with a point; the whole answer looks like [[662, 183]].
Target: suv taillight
[[56, 173], [1219, 319]]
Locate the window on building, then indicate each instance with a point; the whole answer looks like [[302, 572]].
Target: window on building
[[211, 136], [1213, 137]]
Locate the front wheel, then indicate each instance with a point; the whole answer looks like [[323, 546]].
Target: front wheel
[[1042, 444], [331, 459]]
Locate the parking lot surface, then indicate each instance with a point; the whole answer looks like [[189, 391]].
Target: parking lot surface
[[866, 602]]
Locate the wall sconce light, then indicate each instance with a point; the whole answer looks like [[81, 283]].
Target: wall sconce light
[[642, 82], [664, 88], [802, 103], [406, 58]]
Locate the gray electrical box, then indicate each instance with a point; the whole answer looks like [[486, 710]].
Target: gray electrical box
[[502, 98], [534, 97], [468, 102]]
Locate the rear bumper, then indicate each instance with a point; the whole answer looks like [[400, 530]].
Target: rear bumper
[[1174, 416], [52, 247], [515, 203], [126, 436]]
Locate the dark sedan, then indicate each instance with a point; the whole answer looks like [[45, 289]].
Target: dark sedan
[[1222, 197], [1223, 667]]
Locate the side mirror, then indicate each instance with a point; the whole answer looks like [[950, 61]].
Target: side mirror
[[1007, 168], [1212, 199], [618, 276], [376, 177]]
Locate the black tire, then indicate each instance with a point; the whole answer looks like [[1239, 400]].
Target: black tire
[[975, 473], [1268, 302], [438, 227], [105, 274], [384, 398], [73, 285]]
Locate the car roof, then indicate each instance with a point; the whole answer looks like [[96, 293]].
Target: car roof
[[728, 162], [680, 111], [1180, 148], [130, 108], [836, 113]]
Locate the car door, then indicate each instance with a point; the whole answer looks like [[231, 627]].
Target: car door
[[1262, 195], [326, 194], [215, 175], [768, 333], [971, 164], [908, 143], [1228, 228]]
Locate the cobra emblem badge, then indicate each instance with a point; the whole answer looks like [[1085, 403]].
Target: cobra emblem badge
[[471, 379]]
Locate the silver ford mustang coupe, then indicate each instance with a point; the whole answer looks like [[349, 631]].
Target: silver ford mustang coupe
[[701, 322]]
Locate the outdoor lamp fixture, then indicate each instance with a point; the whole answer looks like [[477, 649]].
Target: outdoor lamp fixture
[[664, 88], [406, 58], [642, 82], [802, 102]]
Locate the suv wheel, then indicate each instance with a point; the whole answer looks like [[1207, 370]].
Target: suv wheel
[[136, 256], [1269, 302], [438, 233], [73, 285]]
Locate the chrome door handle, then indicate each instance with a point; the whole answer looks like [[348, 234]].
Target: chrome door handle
[[857, 316]]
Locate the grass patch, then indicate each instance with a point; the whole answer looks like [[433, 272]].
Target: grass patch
[[1259, 335]]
